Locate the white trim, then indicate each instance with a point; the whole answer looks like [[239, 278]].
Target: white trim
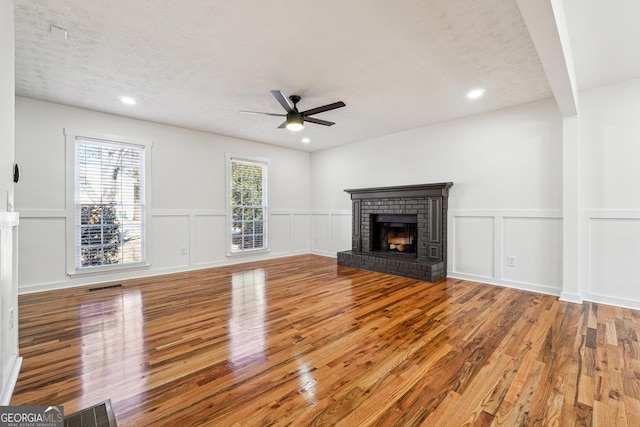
[[508, 213], [614, 301], [290, 212], [587, 219], [70, 140], [188, 212], [523, 286], [73, 133], [498, 217], [569, 297], [9, 220], [141, 274], [331, 212], [265, 225], [5, 398], [326, 254], [611, 213], [43, 213], [93, 271]]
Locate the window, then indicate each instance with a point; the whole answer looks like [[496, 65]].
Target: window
[[109, 207], [248, 204]]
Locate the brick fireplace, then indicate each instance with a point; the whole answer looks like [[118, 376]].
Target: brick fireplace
[[400, 230]]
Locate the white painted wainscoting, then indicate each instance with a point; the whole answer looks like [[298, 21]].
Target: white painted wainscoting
[[330, 231], [178, 240], [479, 243], [610, 258], [482, 241], [10, 362]]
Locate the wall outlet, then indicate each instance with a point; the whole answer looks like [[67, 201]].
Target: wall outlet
[[511, 261]]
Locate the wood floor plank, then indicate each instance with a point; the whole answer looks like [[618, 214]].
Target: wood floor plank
[[301, 341]]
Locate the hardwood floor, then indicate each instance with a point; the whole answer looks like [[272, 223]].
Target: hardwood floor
[[301, 341]]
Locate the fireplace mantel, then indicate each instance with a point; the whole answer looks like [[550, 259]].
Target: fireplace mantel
[[420, 190], [427, 202]]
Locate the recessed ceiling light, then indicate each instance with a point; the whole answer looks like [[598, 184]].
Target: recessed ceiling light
[[127, 100], [306, 140], [475, 93]]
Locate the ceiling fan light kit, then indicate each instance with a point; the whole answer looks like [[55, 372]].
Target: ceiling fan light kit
[[295, 119]]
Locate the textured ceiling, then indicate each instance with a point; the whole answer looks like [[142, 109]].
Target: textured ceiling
[[197, 63]]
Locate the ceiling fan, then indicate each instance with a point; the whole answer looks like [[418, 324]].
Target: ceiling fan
[[295, 119]]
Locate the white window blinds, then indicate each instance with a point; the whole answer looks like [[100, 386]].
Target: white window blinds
[[248, 205], [109, 203]]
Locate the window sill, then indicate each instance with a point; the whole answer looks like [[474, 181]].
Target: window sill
[[113, 269], [247, 253]]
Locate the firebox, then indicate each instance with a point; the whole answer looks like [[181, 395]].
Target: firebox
[[395, 233]]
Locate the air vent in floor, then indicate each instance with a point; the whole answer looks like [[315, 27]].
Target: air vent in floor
[[100, 415], [102, 288]]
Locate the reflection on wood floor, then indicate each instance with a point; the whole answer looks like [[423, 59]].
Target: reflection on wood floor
[[301, 341]]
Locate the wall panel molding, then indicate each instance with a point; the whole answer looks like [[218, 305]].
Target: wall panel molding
[[323, 238], [609, 256], [43, 213], [535, 270], [193, 225]]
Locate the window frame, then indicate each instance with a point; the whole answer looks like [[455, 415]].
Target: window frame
[[229, 216], [72, 225]]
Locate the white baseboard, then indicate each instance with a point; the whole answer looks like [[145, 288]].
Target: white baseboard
[[5, 398], [530, 287], [140, 274], [324, 253], [569, 297], [618, 302]]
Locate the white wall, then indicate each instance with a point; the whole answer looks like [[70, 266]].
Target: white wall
[[9, 360], [506, 200], [7, 89], [610, 194], [188, 192]]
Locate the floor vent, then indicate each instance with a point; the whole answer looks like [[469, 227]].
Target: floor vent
[[102, 288], [100, 415]]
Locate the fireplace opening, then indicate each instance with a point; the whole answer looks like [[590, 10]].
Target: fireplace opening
[[395, 233]]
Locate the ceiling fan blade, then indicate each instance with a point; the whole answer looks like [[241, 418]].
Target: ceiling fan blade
[[263, 114], [283, 100], [327, 107], [318, 121], [283, 125]]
